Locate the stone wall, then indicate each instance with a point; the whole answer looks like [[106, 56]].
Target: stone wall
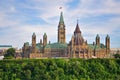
[[35, 55]]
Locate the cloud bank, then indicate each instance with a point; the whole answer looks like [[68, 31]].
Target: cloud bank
[[19, 19]]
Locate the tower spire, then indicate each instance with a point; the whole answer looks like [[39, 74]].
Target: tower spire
[[77, 29], [33, 43], [98, 40], [61, 18]]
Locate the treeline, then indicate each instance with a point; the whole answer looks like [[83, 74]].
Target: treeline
[[60, 69]]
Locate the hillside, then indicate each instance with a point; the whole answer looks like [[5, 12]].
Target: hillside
[[60, 69]]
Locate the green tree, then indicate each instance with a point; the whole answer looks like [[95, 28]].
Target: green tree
[[117, 55], [27, 75], [10, 53], [118, 52], [54, 69]]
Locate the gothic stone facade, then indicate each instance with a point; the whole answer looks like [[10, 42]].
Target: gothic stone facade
[[76, 48]]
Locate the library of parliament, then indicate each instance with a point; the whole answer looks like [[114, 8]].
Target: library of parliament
[[76, 48]]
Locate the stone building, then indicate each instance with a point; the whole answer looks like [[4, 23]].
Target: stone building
[[79, 48], [44, 49], [76, 48]]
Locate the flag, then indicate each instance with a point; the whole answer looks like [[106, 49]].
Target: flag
[[60, 7]]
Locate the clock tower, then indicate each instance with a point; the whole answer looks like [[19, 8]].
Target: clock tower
[[61, 30]]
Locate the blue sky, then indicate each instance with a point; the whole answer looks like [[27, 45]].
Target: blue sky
[[20, 18]]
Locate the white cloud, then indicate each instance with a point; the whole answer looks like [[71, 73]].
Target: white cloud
[[13, 16]]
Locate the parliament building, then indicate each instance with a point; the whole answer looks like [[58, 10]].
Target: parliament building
[[76, 48]]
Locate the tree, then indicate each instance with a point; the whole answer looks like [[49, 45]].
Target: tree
[[116, 55], [53, 69], [10, 53], [118, 52], [27, 74]]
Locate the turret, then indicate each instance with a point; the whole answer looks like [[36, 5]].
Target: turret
[[97, 40], [41, 42], [44, 39], [26, 50], [107, 42], [72, 41], [61, 30], [33, 43]]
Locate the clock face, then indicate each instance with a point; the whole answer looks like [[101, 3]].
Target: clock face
[[61, 26]]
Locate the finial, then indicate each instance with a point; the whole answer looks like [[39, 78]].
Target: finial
[[77, 20]]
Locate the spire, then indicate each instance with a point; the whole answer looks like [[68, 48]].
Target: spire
[[107, 36], [44, 39], [77, 29], [40, 41], [107, 42], [98, 40], [61, 18], [97, 36], [33, 34], [45, 35]]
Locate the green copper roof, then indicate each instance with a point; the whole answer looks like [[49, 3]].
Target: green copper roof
[[26, 43], [56, 46], [61, 18], [91, 46], [38, 46]]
